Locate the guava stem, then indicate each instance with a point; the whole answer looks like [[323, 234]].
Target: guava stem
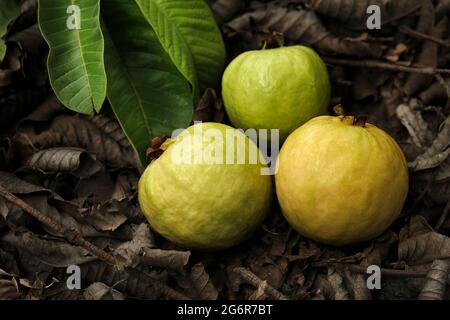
[[359, 121], [279, 38]]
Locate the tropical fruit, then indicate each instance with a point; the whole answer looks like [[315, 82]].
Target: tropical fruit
[[340, 181], [276, 89], [206, 191]]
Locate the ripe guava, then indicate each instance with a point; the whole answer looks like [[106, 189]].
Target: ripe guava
[[201, 193], [276, 89], [339, 182]]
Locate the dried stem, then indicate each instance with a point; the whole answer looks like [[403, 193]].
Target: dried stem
[[386, 66], [390, 272], [423, 36], [77, 239], [72, 236], [254, 280], [395, 273]]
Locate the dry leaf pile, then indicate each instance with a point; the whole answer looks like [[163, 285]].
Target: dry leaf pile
[[79, 173]]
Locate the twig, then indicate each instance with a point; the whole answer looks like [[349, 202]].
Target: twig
[[386, 272], [443, 217], [423, 36], [77, 239], [73, 236], [386, 66], [395, 273], [390, 272], [254, 280]]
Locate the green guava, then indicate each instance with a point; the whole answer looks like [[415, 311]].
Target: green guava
[[206, 191], [276, 89], [339, 182]]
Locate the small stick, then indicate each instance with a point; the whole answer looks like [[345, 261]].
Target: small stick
[[423, 36], [73, 236], [386, 66], [390, 272], [254, 280], [387, 272], [77, 239], [384, 271]]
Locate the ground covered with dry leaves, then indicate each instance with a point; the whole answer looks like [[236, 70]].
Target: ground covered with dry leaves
[[78, 173]]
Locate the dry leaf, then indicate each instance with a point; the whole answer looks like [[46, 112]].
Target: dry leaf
[[80, 132], [436, 281], [134, 284], [64, 160], [353, 13], [437, 153], [107, 216], [427, 57], [9, 289], [224, 10], [197, 283], [296, 25], [414, 123], [209, 108], [419, 244], [175, 261], [337, 283], [100, 291], [443, 172], [53, 252], [132, 250]]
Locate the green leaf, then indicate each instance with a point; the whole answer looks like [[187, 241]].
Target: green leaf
[[188, 32], [148, 94], [75, 62], [9, 11]]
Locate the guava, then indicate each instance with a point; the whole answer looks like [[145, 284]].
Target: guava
[[278, 88], [201, 194], [339, 182]]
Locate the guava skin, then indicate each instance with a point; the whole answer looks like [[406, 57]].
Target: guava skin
[[276, 89], [339, 183], [204, 206]]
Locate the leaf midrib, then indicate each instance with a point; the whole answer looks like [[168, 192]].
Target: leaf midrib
[[136, 92], [181, 36], [82, 57]]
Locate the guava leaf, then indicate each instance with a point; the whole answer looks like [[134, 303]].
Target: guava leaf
[[148, 94], [9, 11], [75, 62], [188, 32]]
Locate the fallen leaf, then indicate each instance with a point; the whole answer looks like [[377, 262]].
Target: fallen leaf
[[100, 291], [53, 252], [63, 160], [419, 244], [197, 283], [437, 153]]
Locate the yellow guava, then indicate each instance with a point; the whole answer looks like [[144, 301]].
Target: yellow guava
[[339, 182], [276, 89], [206, 191]]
